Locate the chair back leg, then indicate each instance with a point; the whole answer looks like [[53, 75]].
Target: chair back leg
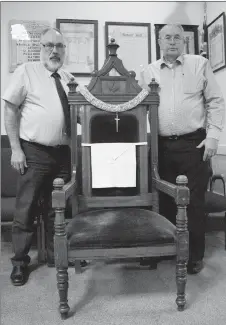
[[41, 240]]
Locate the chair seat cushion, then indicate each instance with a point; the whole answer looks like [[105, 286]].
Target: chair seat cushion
[[126, 227], [7, 208], [214, 202]]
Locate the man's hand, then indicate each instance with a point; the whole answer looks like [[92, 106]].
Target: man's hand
[[18, 160], [210, 147]]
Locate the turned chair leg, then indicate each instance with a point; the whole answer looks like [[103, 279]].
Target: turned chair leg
[[181, 279], [62, 285]]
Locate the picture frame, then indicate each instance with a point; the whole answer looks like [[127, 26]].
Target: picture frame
[[81, 45], [24, 41], [216, 36], [130, 36], [191, 39]]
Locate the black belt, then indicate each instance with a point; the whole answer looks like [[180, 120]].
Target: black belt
[[43, 145], [187, 136]]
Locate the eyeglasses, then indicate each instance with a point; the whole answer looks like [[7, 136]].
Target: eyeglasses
[[176, 38], [50, 46]]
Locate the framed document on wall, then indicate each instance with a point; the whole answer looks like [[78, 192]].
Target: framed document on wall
[[81, 45], [217, 43], [134, 40], [191, 45], [24, 41]]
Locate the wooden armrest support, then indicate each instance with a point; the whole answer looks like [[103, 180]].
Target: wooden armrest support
[[62, 192]]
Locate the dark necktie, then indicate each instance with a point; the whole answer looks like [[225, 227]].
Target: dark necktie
[[64, 102]]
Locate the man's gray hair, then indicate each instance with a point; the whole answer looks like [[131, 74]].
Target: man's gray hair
[[46, 30], [170, 25]]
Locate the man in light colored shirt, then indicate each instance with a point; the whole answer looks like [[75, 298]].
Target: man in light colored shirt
[[191, 117], [35, 121]]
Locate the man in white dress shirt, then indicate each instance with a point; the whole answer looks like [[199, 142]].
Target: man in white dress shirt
[[37, 124], [191, 118]]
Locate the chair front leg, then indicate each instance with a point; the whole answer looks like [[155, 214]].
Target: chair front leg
[[60, 249], [61, 263], [182, 244]]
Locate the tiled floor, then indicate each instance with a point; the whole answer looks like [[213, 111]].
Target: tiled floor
[[118, 294]]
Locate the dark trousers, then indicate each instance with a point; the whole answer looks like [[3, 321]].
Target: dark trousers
[[44, 165], [181, 157]]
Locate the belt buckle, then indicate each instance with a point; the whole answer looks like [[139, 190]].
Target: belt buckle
[[173, 137]]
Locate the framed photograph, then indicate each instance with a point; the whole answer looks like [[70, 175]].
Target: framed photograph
[[191, 45], [134, 40], [217, 43], [81, 45], [24, 41]]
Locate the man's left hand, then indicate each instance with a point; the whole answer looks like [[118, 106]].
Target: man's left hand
[[211, 146]]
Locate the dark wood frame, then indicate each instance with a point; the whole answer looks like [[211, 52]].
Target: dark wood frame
[[110, 23], [187, 28], [95, 49], [224, 27]]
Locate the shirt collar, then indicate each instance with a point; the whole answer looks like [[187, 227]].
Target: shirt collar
[[49, 73], [179, 60]]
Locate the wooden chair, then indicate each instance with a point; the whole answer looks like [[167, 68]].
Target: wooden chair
[[117, 222]]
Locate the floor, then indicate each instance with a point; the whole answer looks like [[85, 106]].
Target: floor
[[115, 294]]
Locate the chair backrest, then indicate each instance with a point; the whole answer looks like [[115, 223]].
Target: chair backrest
[[113, 109]]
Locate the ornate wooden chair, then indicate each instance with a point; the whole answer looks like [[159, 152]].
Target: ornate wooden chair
[[116, 221]]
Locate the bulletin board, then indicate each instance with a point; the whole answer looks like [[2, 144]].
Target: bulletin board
[[24, 41]]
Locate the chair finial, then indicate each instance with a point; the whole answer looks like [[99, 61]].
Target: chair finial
[[58, 183], [182, 180], [112, 47]]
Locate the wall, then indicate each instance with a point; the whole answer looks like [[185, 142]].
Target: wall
[[214, 9], [189, 13]]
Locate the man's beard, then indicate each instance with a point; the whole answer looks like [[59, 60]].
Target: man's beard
[[53, 65]]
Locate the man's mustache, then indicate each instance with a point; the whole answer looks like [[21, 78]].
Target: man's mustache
[[55, 58]]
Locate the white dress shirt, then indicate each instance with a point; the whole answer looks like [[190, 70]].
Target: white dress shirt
[[190, 97], [33, 91]]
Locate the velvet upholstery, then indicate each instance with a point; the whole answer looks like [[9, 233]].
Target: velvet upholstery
[[119, 228]]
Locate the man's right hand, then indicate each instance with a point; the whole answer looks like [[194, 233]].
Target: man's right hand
[[18, 160]]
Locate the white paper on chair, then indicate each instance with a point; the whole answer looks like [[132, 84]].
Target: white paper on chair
[[113, 165]]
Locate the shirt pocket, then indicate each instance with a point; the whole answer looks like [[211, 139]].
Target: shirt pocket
[[193, 84]]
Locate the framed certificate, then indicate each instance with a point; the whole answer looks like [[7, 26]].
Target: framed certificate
[[81, 45], [217, 43], [24, 41], [134, 40], [191, 45]]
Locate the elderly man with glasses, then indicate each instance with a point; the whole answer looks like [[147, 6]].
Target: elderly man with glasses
[[37, 122], [191, 118]]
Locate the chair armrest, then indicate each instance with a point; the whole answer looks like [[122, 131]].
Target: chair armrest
[[179, 192], [165, 187], [217, 177]]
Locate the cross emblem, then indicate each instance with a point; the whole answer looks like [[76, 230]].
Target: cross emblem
[[117, 119]]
